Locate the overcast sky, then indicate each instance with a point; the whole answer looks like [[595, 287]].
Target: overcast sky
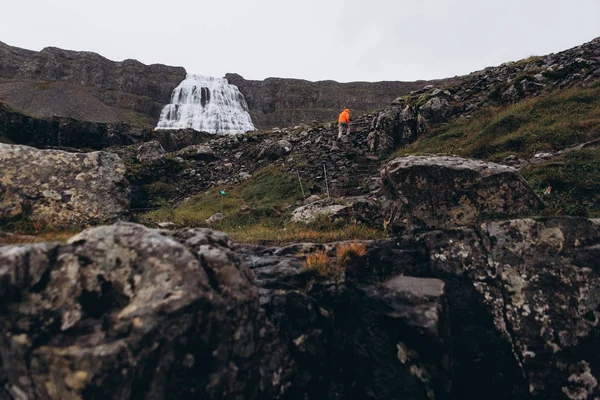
[[310, 39]]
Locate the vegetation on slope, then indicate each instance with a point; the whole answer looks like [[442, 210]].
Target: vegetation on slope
[[257, 210], [551, 124]]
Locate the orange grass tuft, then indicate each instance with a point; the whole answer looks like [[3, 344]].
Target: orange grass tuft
[[320, 263], [348, 251]]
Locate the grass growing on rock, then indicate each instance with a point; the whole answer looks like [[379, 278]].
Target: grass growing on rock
[[572, 181], [257, 211], [544, 124], [548, 123]]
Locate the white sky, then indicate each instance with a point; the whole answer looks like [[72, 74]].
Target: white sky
[[353, 40]]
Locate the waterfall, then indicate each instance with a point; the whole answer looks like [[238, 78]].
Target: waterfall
[[206, 104]]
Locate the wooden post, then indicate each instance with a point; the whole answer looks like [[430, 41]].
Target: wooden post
[[326, 183]]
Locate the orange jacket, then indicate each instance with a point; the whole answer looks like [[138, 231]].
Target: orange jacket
[[344, 117]]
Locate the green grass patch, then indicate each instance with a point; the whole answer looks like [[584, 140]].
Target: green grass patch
[[257, 211], [543, 124], [573, 179], [540, 124], [266, 198]]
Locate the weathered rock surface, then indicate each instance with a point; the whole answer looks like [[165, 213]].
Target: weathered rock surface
[[150, 152], [352, 339], [125, 312], [445, 192], [197, 152], [359, 209], [538, 282], [505, 310], [177, 139], [311, 212], [51, 187], [502, 310]]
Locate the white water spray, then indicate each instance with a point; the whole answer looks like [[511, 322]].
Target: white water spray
[[206, 104]]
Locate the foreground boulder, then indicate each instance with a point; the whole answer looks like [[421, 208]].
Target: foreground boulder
[[446, 192], [503, 310], [372, 337], [51, 187], [540, 284], [123, 312]]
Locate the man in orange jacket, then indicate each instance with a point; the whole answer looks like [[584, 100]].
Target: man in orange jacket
[[344, 122]]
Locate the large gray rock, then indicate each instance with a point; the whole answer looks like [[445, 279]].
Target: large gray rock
[[51, 187], [397, 125], [355, 338], [539, 284], [125, 312], [150, 152], [436, 109], [197, 152], [445, 192], [356, 209], [311, 212]]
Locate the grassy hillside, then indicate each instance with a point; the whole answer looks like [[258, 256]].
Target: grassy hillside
[[257, 210], [551, 124]]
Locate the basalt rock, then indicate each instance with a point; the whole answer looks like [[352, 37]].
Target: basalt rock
[[177, 139], [19, 128], [537, 281], [499, 310], [445, 192], [197, 152], [85, 86], [51, 187], [351, 210], [125, 312], [352, 339], [287, 102]]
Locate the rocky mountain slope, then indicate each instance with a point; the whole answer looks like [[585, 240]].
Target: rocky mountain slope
[[280, 102], [88, 87], [84, 86], [472, 285]]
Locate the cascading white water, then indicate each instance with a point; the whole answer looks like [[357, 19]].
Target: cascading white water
[[206, 104]]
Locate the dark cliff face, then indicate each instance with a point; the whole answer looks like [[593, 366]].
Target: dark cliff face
[[288, 102], [84, 85]]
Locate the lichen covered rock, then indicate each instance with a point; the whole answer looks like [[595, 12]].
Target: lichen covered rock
[[51, 187], [445, 192], [125, 312], [150, 152], [538, 281]]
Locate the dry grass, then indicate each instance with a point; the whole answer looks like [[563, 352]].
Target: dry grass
[[258, 211], [349, 251], [301, 233], [320, 263], [38, 238], [323, 265]]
